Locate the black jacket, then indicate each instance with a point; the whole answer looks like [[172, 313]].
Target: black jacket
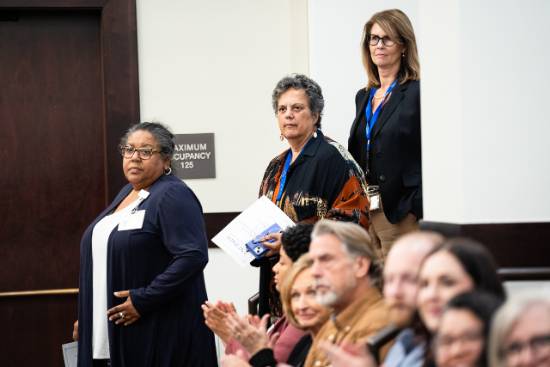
[[162, 265], [395, 157]]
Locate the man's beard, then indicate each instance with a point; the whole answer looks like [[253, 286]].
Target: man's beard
[[330, 297], [401, 315], [327, 299]]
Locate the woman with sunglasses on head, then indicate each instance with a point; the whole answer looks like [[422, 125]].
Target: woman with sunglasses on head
[[141, 266], [385, 135]]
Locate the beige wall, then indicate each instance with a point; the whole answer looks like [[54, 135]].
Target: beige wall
[[210, 66]]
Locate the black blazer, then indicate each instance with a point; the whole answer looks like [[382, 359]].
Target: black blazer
[[395, 156]]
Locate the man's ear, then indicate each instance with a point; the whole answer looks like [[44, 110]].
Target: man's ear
[[362, 266]]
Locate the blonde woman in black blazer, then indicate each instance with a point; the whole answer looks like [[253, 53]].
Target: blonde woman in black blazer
[[387, 146]]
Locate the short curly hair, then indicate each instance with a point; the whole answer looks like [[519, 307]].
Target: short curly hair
[[296, 240], [309, 86]]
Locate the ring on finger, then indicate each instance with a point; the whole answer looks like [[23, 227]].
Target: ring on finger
[[121, 314]]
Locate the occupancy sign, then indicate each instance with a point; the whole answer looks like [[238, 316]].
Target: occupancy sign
[[194, 156]]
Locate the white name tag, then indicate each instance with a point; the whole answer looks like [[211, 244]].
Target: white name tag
[[132, 221], [374, 202]]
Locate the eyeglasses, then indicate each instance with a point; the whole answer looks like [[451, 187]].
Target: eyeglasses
[[143, 153], [386, 41], [537, 344], [445, 341]]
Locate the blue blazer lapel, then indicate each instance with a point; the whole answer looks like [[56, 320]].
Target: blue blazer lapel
[[395, 98]]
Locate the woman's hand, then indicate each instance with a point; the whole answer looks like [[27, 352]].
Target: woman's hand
[[273, 242], [125, 313], [250, 332], [355, 355], [75, 331], [215, 317]]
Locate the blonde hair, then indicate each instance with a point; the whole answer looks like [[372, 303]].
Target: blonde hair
[[505, 319], [398, 27], [303, 263]]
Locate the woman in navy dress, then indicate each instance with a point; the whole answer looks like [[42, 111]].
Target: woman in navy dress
[[141, 266]]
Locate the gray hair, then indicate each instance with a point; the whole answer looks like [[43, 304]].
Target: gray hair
[[356, 242], [161, 133], [301, 82], [505, 319]]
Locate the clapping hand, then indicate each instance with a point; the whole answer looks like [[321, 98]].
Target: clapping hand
[[215, 317], [250, 332]]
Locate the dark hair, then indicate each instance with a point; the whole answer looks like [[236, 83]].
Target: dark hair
[[309, 86], [479, 264], [161, 133], [483, 305], [477, 261], [296, 239]]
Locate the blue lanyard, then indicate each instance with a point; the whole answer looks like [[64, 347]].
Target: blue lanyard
[[283, 175], [373, 117], [282, 182]]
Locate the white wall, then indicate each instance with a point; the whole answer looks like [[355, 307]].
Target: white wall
[[495, 100], [210, 66]]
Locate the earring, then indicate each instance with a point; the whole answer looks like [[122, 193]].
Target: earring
[[403, 54], [282, 137], [315, 134], [168, 171]]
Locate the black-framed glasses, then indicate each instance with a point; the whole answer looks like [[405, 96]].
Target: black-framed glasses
[[537, 343], [143, 153], [386, 41], [446, 341]]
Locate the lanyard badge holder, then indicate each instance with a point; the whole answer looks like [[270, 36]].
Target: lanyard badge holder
[[373, 191]]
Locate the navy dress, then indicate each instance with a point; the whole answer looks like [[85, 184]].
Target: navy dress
[[162, 265]]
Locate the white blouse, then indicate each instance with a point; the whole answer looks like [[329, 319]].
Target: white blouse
[[100, 238]]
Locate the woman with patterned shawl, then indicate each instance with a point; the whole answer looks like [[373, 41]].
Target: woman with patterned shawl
[[315, 178]]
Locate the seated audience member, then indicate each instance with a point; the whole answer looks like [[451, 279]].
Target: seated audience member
[[461, 339], [295, 242], [347, 273], [520, 333], [460, 265], [400, 289], [298, 296]]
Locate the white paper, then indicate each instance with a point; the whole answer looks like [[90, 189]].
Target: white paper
[[70, 354], [251, 222]]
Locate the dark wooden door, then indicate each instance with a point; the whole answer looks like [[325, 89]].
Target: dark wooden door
[[59, 166]]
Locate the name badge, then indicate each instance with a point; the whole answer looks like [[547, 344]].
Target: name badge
[[132, 221], [374, 202]]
